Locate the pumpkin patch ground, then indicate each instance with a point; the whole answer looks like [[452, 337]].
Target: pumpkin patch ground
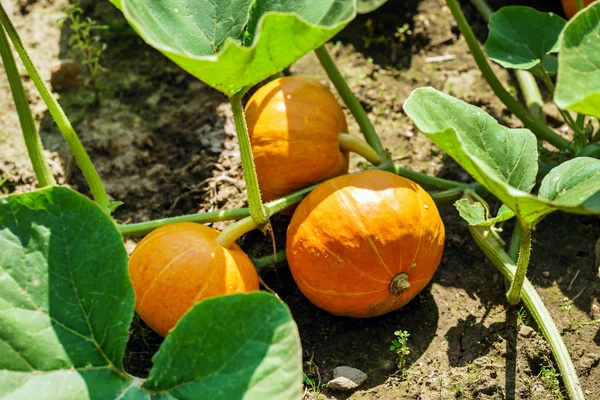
[[164, 144]]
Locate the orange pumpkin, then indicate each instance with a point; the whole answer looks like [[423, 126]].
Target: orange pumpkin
[[365, 244], [178, 265], [570, 7], [294, 124]]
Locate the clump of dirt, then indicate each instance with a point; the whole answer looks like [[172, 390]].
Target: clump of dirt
[[164, 144]]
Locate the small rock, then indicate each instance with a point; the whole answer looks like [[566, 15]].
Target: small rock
[[346, 378], [65, 75], [546, 274], [526, 331]]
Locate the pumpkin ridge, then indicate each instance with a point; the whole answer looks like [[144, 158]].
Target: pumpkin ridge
[[354, 267], [392, 199], [334, 293], [143, 243], [350, 208], [156, 278], [205, 286], [421, 207]]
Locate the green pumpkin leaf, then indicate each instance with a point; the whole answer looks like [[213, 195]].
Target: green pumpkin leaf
[[578, 79], [366, 6], [520, 37], [232, 44], [66, 301], [249, 348], [574, 186], [475, 213], [503, 160]]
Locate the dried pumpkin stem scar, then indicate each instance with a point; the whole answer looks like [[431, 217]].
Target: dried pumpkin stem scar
[[399, 284]]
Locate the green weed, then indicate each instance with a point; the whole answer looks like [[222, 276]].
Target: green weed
[[87, 43], [400, 348]]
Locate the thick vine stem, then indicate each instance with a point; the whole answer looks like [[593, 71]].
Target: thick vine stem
[[30, 134], [491, 246], [514, 293], [540, 129], [360, 147], [353, 104], [63, 123], [142, 228], [257, 210]]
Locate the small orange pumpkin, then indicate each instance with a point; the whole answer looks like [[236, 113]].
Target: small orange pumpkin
[[365, 244], [570, 7], [294, 124], [178, 265]]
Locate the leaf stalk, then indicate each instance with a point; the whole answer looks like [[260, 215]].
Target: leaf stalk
[[514, 293], [32, 139], [257, 210]]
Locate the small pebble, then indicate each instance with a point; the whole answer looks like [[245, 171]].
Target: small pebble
[[346, 378], [526, 331], [64, 75], [546, 274]]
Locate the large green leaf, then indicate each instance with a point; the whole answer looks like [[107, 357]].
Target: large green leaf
[[578, 80], [232, 347], [366, 6], [231, 44], [65, 297], [520, 37], [503, 160]]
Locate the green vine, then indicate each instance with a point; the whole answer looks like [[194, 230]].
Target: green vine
[[30, 134]]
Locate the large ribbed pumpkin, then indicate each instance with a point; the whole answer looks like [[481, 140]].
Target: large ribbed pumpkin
[[365, 244], [178, 265], [294, 124], [570, 7]]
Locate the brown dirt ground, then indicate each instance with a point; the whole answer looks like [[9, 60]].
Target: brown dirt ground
[[164, 144]]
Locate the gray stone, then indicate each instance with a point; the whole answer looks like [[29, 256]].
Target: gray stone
[[526, 331], [346, 378]]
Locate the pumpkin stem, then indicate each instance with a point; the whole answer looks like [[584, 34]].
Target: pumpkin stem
[[360, 147], [399, 284]]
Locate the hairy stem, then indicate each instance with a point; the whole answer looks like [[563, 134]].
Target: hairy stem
[[352, 102], [355, 145], [492, 248], [580, 5], [542, 131], [63, 123], [257, 209], [30, 134], [514, 293]]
